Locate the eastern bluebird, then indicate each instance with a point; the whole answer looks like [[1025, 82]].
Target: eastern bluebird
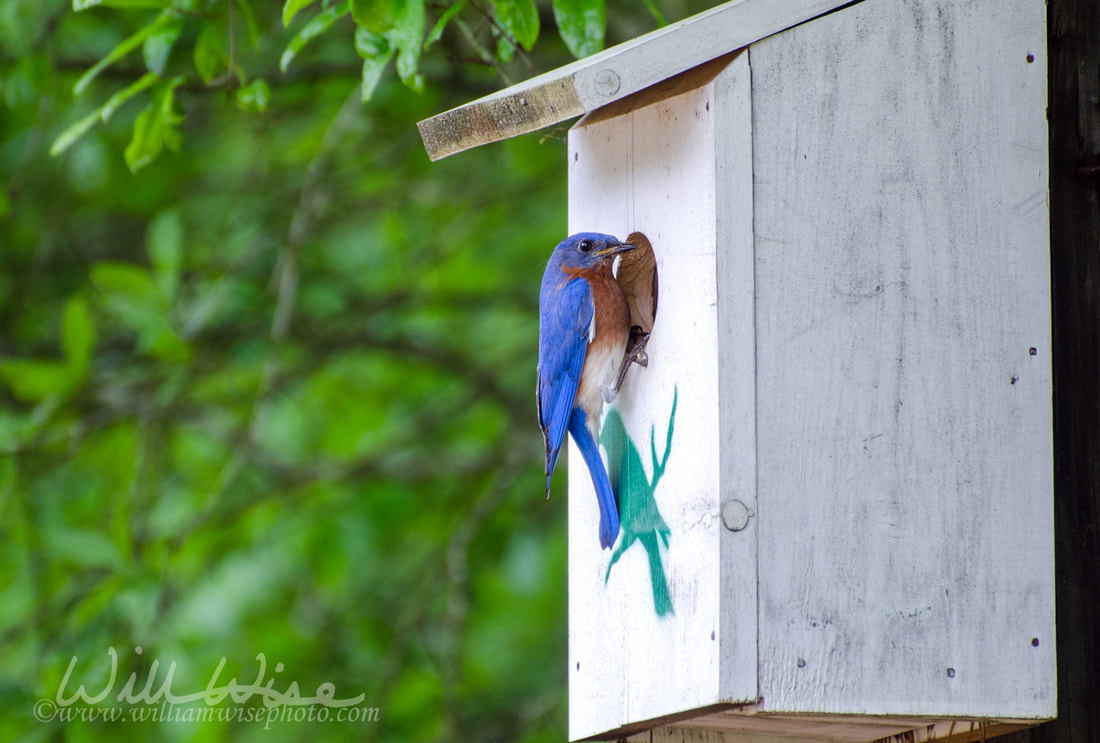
[[584, 329]]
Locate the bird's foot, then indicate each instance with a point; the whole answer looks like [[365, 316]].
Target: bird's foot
[[638, 340], [637, 355]]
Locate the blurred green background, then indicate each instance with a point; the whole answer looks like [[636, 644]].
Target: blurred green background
[[267, 374]]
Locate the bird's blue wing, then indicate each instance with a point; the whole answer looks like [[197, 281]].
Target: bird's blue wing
[[565, 315]]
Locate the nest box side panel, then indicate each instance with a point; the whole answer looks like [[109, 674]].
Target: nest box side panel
[[903, 354], [648, 625]]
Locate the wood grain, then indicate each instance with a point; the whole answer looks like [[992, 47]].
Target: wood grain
[[903, 362]]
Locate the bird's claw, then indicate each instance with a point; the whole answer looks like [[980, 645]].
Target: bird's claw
[[638, 340], [637, 355]]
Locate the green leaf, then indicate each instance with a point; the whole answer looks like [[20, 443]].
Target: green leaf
[[372, 74], [581, 24], [209, 50], [18, 428], [254, 30], [115, 102], [158, 46], [83, 548], [370, 45], [377, 16], [376, 53], [77, 337], [32, 380], [79, 5], [506, 48], [129, 282], [125, 47], [155, 128], [254, 97], [521, 19], [316, 26], [654, 11], [74, 132], [283, 430], [147, 140], [407, 37], [132, 296], [291, 9], [164, 241], [437, 30]]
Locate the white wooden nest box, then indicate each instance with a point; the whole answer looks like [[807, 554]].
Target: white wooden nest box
[[835, 475]]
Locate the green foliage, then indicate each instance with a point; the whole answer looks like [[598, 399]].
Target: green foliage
[[209, 54], [255, 96], [156, 127], [79, 5], [581, 25], [376, 52], [266, 373], [291, 9], [446, 17], [149, 30], [158, 45], [316, 26], [384, 30], [77, 337], [520, 18], [375, 16]]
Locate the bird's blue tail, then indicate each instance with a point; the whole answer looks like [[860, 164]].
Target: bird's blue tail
[[609, 510]]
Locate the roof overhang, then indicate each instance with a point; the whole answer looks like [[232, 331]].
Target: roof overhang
[[615, 73]]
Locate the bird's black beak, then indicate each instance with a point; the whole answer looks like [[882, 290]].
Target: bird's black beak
[[615, 249]]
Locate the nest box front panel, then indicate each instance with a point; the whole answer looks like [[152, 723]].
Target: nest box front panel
[[665, 621]]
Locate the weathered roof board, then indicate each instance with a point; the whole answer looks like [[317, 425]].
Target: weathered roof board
[[614, 73]]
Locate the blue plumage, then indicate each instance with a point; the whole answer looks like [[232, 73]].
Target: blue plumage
[[584, 327]]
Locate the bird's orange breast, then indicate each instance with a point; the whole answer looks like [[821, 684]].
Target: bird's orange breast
[[607, 340], [611, 316]]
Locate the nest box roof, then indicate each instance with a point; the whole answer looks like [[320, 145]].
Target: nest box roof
[[615, 73]]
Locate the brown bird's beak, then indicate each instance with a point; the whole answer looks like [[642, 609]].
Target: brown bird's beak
[[616, 249]]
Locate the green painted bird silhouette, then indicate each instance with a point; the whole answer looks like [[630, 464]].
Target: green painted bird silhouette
[[640, 520]]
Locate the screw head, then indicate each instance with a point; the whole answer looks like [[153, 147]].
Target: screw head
[[608, 82], [735, 515]]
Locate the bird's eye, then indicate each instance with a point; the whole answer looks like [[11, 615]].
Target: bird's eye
[[586, 246]]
